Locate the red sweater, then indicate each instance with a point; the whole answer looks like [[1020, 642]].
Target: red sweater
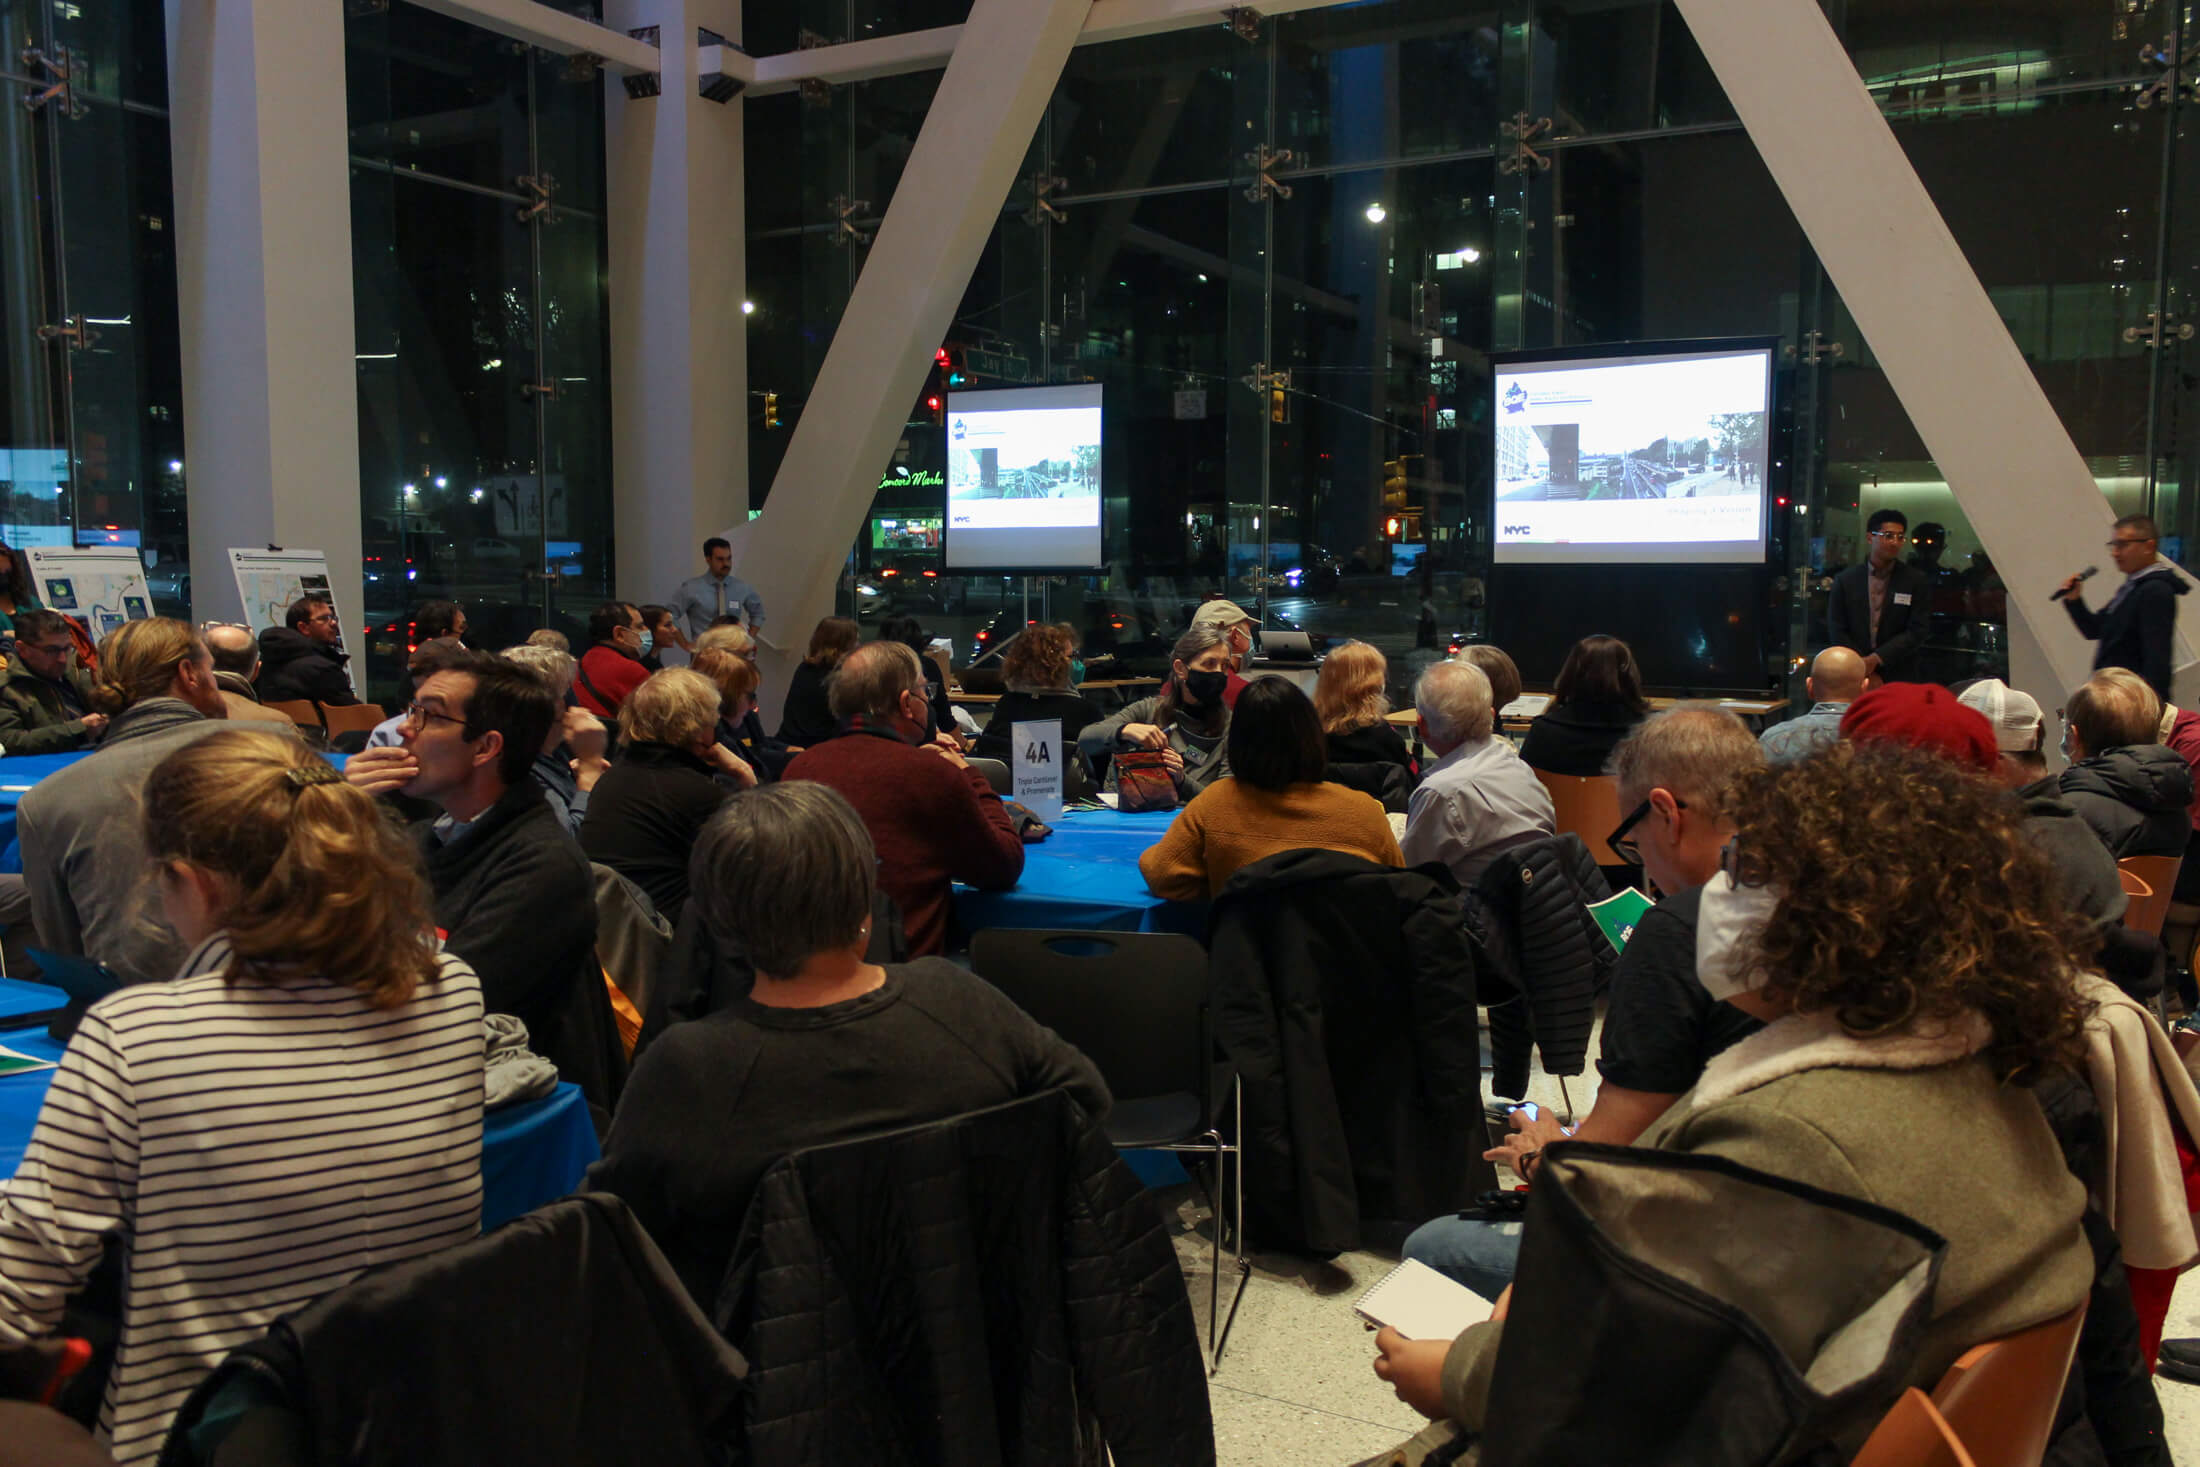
[[933, 825], [615, 675]]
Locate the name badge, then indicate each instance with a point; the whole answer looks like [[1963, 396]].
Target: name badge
[[1901, 598]]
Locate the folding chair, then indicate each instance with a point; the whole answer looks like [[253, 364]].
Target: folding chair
[[1136, 1004], [1913, 1434], [2000, 1397]]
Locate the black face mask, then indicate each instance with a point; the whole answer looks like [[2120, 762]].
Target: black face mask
[[931, 725], [1206, 687]]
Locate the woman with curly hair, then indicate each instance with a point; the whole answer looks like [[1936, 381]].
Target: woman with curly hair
[[1901, 938], [1035, 670]]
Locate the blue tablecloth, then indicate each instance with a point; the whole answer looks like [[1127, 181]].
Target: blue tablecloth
[[1085, 875], [18, 998], [530, 1154], [18, 772]]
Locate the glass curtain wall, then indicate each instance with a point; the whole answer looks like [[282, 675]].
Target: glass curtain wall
[[1288, 255], [477, 201], [91, 406]]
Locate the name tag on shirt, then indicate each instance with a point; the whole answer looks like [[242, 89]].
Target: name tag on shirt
[[1901, 598]]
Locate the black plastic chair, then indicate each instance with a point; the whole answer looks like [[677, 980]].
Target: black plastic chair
[[1136, 1004]]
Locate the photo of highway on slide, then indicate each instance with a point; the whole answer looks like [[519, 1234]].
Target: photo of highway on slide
[[1720, 456]]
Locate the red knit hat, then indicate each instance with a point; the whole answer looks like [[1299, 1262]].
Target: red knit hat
[[1922, 716]]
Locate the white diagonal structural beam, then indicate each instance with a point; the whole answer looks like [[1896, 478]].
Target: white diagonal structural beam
[[967, 155], [1968, 390], [553, 30]]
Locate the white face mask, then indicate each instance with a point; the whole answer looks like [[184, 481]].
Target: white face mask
[[1727, 928]]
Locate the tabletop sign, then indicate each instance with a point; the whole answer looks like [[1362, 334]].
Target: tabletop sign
[[1038, 767]]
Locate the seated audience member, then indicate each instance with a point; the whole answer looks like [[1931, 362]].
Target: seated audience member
[[825, 1048], [1836, 680], [549, 637], [808, 716], [1676, 775], [1236, 624], [513, 893], [236, 656], [436, 619], [1274, 799], [664, 636], [933, 818], [83, 852], [646, 810], [1859, 1051], [1189, 723], [45, 698], [911, 633], [1596, 700], [739, 730], [2179, 731], [2135, 793], [428, 659], [727, 635], [300, 1103], [1035, 670], [573, 756], [1498, 668], [2085, 873], [1478, 798], [1350, 698], [612, 667], [303, 659]]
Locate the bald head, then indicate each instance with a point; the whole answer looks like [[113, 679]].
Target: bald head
[[1837, 676], [234, 650]]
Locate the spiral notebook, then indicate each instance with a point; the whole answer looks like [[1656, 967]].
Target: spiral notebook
[[1422, 1304]]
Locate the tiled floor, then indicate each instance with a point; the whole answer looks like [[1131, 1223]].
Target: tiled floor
[[1297, 1384]]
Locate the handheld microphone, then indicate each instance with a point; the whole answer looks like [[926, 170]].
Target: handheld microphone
[[2085, 575]]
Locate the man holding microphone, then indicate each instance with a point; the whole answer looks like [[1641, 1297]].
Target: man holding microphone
[[2136, 627]]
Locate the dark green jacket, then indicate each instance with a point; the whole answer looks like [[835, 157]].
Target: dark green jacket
[[33, 719]]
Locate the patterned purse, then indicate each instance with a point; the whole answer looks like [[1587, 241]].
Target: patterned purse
[[1143, 782]]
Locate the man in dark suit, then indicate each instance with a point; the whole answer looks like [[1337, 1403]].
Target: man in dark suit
[[1880, 609], [2137, 626]]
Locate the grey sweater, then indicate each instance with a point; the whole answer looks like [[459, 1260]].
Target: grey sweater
[[83, 856], [1205, 759]]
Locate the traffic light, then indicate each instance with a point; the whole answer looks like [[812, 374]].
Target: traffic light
[[936, 408], [1394, 483], [1279, 405], [771, 409], [1391, 527]]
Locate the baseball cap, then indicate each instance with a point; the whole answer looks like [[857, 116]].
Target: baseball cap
[[2015, 716], [1922, 716], [1221, 613]]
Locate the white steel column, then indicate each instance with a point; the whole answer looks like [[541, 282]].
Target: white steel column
[[679, 350], [966, 157], [1946, 353], [263, 285]]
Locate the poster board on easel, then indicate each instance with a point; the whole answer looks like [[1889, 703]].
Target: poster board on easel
[[101, 586], [269, 580]]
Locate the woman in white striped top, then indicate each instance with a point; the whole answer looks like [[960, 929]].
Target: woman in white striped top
[[301, 1103]]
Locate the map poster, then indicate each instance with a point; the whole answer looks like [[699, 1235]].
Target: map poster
[[268, 581], [100, 587]]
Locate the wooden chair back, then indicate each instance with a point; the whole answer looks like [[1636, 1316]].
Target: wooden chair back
[[352, 718], [2158, 874], [1587, 806], [2000, 1397], [1913, 1434], [301, 711]]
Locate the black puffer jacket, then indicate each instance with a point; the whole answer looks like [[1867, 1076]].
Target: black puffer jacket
[[1531, 913], [992, 1289], [1344, 993], [293, 666], [2135, 798]]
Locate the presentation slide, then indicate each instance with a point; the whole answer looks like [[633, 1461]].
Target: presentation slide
[[1612, 460], [1023, 479]]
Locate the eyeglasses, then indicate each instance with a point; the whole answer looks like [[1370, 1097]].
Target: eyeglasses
[[2138, 540], [219, 626], [1886, 534], [62, 650], [1622, 844], [419, 716]]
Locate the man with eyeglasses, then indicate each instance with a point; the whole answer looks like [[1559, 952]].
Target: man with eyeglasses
[[1881, 609], [513, 893], [2137, 626], [45, 698], [1663, 1026], [304, 658]]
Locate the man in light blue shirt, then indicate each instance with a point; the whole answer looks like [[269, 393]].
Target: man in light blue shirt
[[1478, 799], [1836, 680], [715, 593]]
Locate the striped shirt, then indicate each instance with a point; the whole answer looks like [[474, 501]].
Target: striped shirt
[[257, 1146]]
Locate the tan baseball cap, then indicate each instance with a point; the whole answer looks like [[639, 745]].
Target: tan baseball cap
[[2015, 716], [1224, 614]]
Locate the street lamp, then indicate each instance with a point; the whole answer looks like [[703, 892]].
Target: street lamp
[[1376, 213]]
